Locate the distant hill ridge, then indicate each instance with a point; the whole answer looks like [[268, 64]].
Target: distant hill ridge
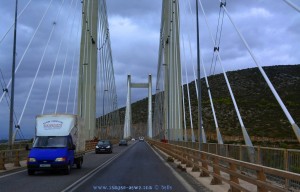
[[259, 109]]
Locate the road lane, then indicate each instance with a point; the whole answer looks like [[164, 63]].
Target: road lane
[[47, 181], [138, 169]]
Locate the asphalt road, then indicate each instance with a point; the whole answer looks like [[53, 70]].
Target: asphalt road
[[132, 168], [55, 181], [139, 169]]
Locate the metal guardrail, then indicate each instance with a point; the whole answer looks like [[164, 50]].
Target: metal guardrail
[[227, 164]]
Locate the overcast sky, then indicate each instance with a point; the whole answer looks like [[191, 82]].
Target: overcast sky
[[270, 27]]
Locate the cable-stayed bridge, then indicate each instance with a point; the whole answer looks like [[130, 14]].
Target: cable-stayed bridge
[[68, 68]]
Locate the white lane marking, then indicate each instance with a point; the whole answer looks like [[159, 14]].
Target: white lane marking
[[89, 175], [178, 176], [10, 174]]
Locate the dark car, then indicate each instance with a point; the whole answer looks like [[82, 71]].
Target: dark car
[[104, 146], [141, 138], [123, 142]]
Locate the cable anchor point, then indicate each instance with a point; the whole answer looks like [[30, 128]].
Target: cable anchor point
[[223, 4]]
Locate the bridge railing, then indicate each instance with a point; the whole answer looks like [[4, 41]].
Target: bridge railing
[[279, 158], [231, 167]]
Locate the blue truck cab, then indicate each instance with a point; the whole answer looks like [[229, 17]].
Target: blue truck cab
[[54, 147]]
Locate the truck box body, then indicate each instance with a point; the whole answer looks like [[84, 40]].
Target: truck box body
[[59, 143]]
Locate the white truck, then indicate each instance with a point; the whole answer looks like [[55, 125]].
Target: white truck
[[58, 145]]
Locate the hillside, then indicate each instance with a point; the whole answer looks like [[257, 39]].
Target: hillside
[[260, 111]]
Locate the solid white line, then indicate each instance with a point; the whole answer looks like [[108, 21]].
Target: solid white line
[[83, 179], [178, 176], [10, 174]]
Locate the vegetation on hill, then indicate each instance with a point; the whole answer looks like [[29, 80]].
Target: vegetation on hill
[[261, 113]]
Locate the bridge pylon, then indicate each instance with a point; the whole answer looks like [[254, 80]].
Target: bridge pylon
[[88, 68], [128, 116]]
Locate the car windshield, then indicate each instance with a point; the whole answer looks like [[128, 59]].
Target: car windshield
[[103, 143], [50, 142]]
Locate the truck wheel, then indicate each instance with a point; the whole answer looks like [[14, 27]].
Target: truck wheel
[[68, 170], [79, 163], [30, 172]]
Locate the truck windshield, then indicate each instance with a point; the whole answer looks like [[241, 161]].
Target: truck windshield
[[50, 142]]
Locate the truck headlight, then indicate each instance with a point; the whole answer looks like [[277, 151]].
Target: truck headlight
[[60, 159], [31, 159], [108, 147]]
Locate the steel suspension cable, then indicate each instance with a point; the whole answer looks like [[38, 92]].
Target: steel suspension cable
[[217, 40], [187, 81], [244, 131], [183, 105], [61, 80], [191, 52], [7, 97], [37, 72], [294, 6], [72, 71], [26, 49], [66, 57], [11, 26], [55, 63], [282, 105], [219, 136]]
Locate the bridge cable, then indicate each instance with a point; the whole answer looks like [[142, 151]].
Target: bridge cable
[[294, 6], [66, 56], [38, 69], [217, 40], [191, 51], [188, 91], [26, 49], [282, 105], [7, 96], [183, 105], [108, 72], [195, 79], [55, 64], [11, 26], [192, 58], [244, 131], [72, 71]]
